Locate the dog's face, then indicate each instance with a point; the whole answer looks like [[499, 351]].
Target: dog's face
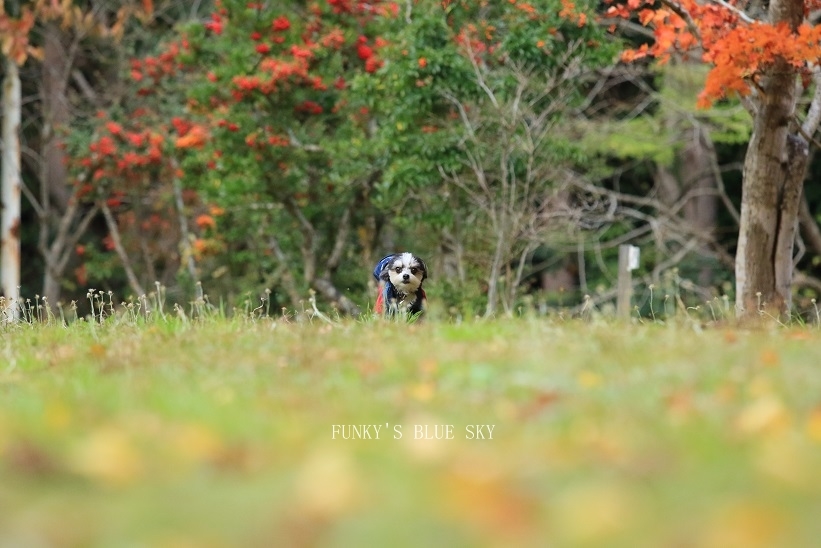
[[406, 272]]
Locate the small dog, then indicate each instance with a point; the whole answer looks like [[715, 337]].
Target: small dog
[[400, 278]]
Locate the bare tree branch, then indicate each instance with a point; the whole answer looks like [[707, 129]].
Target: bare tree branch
[[114, 232], [741, 15]]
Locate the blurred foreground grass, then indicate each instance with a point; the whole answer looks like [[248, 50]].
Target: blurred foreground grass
[[221, 434]]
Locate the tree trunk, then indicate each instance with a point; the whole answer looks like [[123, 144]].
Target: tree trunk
[[701, 210], [10, 194], [54, 190], [809, 227], [56, 116], [774, 169], [494, 275]]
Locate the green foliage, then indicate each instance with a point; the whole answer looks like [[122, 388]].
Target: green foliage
[[437, 59], [654, 135]]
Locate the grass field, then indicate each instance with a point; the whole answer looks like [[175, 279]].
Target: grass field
[[221, 433]]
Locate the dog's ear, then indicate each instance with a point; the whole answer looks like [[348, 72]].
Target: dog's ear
[[424, 268], [380, 272]]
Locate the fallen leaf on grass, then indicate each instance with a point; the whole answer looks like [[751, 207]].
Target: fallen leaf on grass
[[368, 368], [765, 415], [589, 379], [327, 485], [813, 427], [108, 455], [488, 501], [27, 457], [422, 448], [769, 358], [799, 335], [782, 458], [679, 405], [423, 391], [595, 512], [428, 367], [725, 393], [57, 416], [97, 350], [196, 443], [744, 525], [730, 337], [606, 442], [539, 403]]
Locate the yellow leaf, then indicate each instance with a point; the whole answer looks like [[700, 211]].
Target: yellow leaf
[[594, 512], [57, 416], [764, 415], [784, 459], [196, 443], [423, 391], [327, 484], [589, 379], [744, 525], [108, 455], [487, 500], [814, 425]]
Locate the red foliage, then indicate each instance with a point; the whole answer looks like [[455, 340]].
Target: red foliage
[[333, 40], [310, 107], [281, 24], [108, 243], [181, 126], [364, 51], [341, 6], [114, 128], [81, 274], [105, 146], [373, 64], [279, 141], [215, 24]]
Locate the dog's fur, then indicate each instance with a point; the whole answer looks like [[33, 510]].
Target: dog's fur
[[400, 278]]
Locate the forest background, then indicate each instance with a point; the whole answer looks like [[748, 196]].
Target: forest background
[[274, 150]]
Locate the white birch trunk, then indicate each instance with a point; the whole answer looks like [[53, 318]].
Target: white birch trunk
[[10, 193]]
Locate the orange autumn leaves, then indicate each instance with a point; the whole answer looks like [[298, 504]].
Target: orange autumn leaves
[[14, 35], [738, 50], [195, 137]]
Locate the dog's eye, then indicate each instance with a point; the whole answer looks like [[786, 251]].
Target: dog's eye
[[398, 269], [413, 270]]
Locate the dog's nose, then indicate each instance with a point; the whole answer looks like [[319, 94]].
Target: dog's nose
[[406, 277]]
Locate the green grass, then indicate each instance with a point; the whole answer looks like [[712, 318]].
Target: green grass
[[219, 433]]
